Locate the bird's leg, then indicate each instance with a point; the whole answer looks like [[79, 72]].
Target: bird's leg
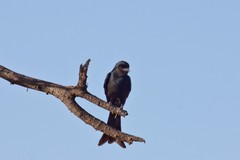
[[117, 103], [120, 108], [112, 104]]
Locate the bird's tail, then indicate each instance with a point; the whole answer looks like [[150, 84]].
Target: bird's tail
[[115, 122]]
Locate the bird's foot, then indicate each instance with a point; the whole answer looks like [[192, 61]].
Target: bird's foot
[[120, 108]]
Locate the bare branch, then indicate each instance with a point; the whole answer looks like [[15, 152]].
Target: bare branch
[[67, 95], [82, 81], [98, 124]]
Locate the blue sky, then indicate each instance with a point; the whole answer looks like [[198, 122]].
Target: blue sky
[[184, 59]]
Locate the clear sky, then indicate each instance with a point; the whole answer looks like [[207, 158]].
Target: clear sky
[[185, 67]]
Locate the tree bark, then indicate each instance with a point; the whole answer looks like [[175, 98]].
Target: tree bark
[[67, 95]]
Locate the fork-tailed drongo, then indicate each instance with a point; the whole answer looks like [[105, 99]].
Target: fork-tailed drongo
[[117, 87]]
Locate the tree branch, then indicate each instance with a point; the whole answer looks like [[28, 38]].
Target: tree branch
[[67, 95]]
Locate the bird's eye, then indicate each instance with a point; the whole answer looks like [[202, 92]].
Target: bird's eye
[[122, 66]]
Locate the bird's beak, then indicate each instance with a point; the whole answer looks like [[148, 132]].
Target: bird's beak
[[125, 69]]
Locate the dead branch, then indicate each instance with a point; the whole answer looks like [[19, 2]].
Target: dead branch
[[67, 95]]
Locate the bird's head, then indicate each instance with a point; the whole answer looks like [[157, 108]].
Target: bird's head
[[122, 68]]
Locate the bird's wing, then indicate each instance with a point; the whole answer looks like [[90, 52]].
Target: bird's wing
[[129, 84], [106, 84]]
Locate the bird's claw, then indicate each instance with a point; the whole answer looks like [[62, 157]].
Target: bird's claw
[[120, 108]]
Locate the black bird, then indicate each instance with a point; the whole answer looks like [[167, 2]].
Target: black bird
[[117, 87]]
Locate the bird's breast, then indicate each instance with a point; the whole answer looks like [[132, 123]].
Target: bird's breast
[[118, 88]]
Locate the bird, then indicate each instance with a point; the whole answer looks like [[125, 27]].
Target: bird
[[117, 86]]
